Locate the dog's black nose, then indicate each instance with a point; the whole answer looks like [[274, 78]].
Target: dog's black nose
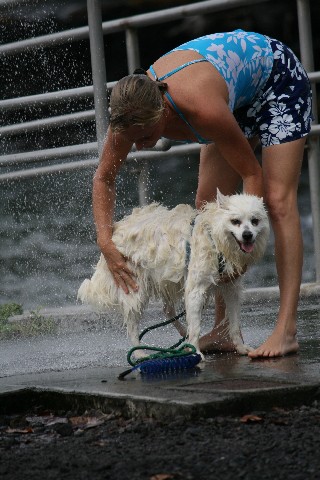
[[247, 235]]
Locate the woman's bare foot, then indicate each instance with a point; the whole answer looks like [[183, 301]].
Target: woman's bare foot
[[277, 345], [216, 341]]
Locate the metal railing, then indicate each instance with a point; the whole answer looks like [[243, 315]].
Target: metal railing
[[95, 31]]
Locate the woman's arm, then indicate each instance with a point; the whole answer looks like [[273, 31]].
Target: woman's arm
[[217, 122], [204, 101], [115, 151]]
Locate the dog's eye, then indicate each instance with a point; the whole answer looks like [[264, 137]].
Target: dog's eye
[[255, 221], [235, 221]]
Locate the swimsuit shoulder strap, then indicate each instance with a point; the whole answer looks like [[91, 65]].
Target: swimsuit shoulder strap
[[177, 69], [200, 139], [153, 73], [181, 115]]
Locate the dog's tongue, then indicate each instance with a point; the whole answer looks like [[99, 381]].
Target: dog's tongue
[[247, 247]]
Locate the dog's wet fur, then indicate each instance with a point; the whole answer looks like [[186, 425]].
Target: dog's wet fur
[[183, 254]]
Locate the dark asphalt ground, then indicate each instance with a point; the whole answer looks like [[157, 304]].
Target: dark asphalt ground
[[275, 444]]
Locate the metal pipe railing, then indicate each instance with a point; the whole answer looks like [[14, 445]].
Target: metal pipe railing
[[133, 61], [81, 92], [87, 149], [44, 123], [129, 25], [91, 148], [98, 70], [48, 154], [71, 118], [132, 47], [305, 37], [141, 157], [47, 98], [137, 21]]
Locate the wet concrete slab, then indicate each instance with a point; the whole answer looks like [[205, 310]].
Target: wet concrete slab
[[224, 383], [227, 384]]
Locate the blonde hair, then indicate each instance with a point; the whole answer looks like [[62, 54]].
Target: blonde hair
[[136, 100]]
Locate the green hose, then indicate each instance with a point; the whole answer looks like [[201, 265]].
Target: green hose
[[170, 352], [185, 349]]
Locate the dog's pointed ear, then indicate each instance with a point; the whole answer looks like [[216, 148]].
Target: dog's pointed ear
[[220, 199]]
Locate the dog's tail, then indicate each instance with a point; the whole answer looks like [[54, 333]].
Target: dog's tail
[[83, 292], [103, 295]]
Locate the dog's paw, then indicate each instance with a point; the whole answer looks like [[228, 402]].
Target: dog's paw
[[203, 358], [243, 349]]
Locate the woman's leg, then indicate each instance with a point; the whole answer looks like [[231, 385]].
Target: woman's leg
[[281, 170], [215, 172]]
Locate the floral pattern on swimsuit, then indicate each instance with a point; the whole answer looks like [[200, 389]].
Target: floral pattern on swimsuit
[[283, 112], [244, 59]]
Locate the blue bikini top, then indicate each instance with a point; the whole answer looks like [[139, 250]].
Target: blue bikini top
[[200, 139]]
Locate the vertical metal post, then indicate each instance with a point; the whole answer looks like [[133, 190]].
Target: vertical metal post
[[133, 54], [143, 183], [98, 70], [133, 59], [306, 49]]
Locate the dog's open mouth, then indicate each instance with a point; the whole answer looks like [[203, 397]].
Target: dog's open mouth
[[246, 247]]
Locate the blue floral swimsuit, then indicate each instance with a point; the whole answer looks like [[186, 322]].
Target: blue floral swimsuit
[[269, 90]]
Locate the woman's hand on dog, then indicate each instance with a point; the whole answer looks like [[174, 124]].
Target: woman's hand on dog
[[117, 264]]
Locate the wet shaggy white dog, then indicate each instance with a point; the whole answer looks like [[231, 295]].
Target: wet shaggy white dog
[[184, 254]]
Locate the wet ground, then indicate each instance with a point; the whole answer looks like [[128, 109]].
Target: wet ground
[[83, 338], [64, 413]]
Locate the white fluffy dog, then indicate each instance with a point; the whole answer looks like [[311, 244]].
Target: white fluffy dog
[[184, 252]]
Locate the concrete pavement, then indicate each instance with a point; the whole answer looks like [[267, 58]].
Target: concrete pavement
[[224, 383]]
